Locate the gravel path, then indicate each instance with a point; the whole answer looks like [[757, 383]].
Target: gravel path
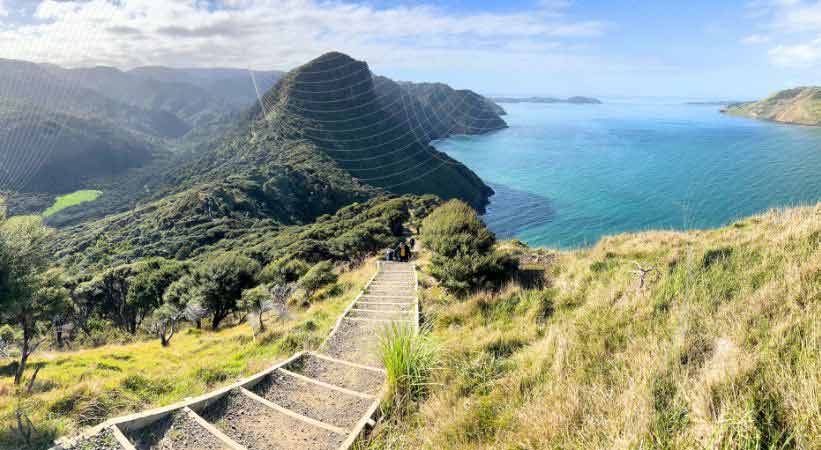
[[104, 440], [338, 374], [176, 432], [258, 427], [357, 342], [312, 400]]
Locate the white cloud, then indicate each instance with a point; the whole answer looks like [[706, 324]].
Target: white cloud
[[275, 33], [799, 56], [4, 12], [755, 39], [794, 29]]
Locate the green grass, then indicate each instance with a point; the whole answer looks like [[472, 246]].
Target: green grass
[[73, 199], [410, 359]]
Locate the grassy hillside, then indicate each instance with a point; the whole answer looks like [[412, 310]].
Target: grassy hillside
[[84, 387], [720, 349], [801, 106]]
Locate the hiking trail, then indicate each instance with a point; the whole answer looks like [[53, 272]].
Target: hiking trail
[[319, 400]]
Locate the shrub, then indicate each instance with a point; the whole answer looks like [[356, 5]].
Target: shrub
[[320, 275], [463, 254], [284, 271], [455, 228]]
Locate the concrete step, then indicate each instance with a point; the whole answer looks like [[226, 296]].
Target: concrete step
[[356, 341], [380, 315], [258, 425], [385, 306], [338, 373], [178, 431], [331, 405]]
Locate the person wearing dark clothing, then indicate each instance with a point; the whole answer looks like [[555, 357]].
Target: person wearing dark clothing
[[412, 243], [389, 254], [403, 252]]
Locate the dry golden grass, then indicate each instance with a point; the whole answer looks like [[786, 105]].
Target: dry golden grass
[[720, 350]]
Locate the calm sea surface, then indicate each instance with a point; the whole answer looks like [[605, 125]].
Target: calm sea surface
[[566, 175]]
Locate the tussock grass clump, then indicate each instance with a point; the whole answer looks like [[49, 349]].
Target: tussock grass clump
[[410, 359]]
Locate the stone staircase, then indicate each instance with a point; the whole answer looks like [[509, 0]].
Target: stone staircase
[[314, 400]]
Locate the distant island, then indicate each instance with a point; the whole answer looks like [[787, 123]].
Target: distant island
[[799, 106], [714, 103], [573, 100]]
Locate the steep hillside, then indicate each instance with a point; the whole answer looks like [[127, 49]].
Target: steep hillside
[[56, 153], [136, 111], [435, 110], [800, 106], [319, 141], [717, 347], [332, 104]]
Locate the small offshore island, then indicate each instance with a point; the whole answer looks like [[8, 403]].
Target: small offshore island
[[798, 106], [571, 100]]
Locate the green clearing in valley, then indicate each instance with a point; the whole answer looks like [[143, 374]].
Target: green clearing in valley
[[73, 199]]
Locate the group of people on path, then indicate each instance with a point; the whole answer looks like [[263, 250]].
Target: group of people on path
[[402, 252]]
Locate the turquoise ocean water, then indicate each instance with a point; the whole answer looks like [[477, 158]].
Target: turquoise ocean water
[[566, 175]]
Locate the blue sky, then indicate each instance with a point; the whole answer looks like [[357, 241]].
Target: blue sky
[[739, 49]]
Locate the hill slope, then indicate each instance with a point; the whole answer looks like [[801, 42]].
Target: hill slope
[[139, 110], [800, 106], [719, 349], [56, 153], [322, 139]]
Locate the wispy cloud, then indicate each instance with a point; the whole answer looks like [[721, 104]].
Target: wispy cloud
[[755, 39], [4, 12], [277, 33], [792, 27]]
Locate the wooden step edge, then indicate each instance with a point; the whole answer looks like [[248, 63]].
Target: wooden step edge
[[380, 311], [230, 443], [328, 385], [348, 363], [363, 319], [360, 426], [121, 439], [292, 414], [385, 303]]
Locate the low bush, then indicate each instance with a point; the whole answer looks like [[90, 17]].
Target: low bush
[[464, 258]]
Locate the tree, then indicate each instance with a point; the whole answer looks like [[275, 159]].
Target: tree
[[6, 341], [127, 294], [31, 295], [165, 319], [221, 280], [321, 274], [164, 322], [261, 299], [184, 294]]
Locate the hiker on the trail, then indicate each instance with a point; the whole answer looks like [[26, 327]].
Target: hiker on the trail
[[412, 243], [403, 252], [389, 254]]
